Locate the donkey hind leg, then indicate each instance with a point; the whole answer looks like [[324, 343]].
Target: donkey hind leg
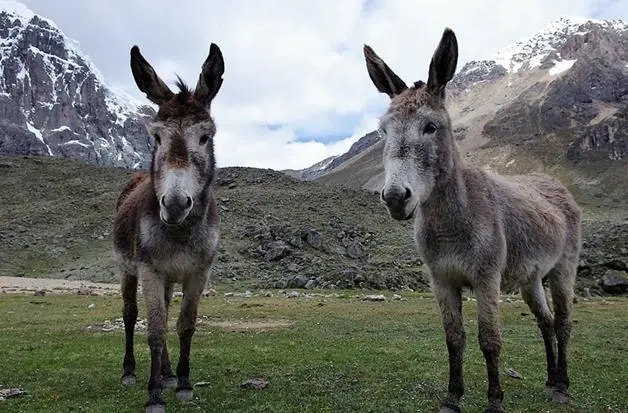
[[534, 296], [450, 303], [154, 295], [561, 280], [489, 338], [129, 298], [186, 325], [169, 380]]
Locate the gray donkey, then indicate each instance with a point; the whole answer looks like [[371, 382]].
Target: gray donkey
[[473, 228], [166, 227]]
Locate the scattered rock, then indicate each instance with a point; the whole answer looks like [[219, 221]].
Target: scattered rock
[[210, 293], [8, 393], [396, 297], [374, 298], [301, 281], [202, 384], [310, 284], [614, 282], [314, 239], [255, 383], [229, 294], [92, 305], [277, 251], [355, 250], [514, 374], [248, 294], [40, 292], [293, 294], [178, 294], [84, 291]]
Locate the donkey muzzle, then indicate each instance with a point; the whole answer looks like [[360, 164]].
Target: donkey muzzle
[[174, 208], [397, 200]]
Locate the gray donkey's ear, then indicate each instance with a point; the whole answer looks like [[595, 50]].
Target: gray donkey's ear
[[147, 80], [210, 79], [384, 79], [443, 64]]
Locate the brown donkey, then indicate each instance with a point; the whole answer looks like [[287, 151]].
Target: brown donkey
[[473, 228], [166, 227]]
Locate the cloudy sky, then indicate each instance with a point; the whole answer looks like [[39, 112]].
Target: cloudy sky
[[295, 87]]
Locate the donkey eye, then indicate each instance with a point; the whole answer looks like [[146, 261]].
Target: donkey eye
[[157, 139], [204, 139], [429, 129]]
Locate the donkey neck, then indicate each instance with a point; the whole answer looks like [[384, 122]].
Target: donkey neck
[[449, 198]]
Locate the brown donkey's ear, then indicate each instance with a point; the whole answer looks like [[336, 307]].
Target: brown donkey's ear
[[443, 64], [384, 79], [210, 79], [147, 80]]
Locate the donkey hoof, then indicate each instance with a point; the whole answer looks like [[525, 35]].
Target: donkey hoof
[[156, 408], [170, 383], [560, 397], [128, 380], [185, 395], [449, 407]]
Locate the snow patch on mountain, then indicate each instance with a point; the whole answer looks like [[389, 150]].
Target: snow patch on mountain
[[561, 67], [530, 52]]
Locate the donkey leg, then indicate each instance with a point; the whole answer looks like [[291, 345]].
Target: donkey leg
[[186, 325], [168, 377], [490, 341], [450, 303], [153, 290], [534, 296], [562, 288], [129, 315]]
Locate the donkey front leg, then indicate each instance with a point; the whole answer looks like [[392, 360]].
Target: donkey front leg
[[129, 315], [186, 325], [153, 290], [490, 340], [450, 302], [169, 380]]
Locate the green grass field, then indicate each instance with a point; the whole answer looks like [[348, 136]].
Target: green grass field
[[320, 354]]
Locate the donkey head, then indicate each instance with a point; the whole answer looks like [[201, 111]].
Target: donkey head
[[417, 129], [183, 163]]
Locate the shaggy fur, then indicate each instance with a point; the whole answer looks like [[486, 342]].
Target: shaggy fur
[[473, 228], [166, 227]]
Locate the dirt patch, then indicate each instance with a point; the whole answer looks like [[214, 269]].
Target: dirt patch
[[24, 285], [255, 325], [258, 325]]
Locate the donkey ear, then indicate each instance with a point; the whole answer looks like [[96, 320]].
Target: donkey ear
[[384, 79], [210, 79], [147, 80], [443, 64]]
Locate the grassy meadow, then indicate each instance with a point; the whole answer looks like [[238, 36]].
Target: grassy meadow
[[324, 353]]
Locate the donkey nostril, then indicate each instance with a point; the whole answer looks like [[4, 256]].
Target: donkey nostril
[[407, 195], [162, 201], [382, 196], [188, 203]]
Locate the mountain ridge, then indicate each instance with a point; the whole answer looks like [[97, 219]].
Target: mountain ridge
[[54, 101]]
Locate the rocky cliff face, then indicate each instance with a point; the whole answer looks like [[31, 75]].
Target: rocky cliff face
[[555, 101], [54, 102]]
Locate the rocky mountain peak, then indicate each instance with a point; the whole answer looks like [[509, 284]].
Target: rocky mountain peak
[[53, 101], [555, 48]]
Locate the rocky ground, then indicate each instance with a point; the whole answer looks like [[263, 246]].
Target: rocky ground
[[277, 233]]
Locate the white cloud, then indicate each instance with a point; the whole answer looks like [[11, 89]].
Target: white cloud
[[297, 64]]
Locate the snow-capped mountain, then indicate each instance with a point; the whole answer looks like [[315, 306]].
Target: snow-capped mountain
[[53, 101], [552, 48], [557, 99]]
